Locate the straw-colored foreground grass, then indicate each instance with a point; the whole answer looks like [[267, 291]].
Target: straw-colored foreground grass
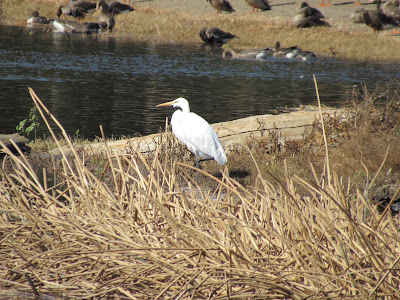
[[151, 23], [148, 231]]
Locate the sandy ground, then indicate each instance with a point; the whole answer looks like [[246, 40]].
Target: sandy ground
[[338, 14]]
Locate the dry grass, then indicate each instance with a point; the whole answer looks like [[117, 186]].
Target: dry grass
[[161, 25], [359, 140], [147, 230]]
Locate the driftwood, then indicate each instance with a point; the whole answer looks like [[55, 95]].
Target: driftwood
[[289, 126], [19, 140]]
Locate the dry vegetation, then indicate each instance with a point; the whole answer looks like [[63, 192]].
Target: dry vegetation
[[139, 227], [162, 25], [285, 222]]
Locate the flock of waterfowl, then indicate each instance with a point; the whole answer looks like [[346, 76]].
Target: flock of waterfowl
[[225, 5], [81, 9], [264, 53], [306, 16]]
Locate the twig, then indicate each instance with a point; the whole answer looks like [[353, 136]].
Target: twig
[[28, 278]]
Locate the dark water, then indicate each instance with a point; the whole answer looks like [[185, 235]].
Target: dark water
[[88, 81]]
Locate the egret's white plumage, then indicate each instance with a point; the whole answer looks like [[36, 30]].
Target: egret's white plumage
[[195, 132]]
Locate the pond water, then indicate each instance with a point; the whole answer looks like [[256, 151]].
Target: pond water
[[90, 81]]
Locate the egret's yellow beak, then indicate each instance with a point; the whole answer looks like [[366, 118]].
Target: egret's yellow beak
[[170, 103]]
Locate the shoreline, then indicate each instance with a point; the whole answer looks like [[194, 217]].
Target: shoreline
[[179, 21]]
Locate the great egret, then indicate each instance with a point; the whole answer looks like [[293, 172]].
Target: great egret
[[195, 132]]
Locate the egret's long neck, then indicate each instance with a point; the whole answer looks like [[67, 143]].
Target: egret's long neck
[[185, 107]]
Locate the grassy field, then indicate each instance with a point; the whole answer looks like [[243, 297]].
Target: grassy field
[[153, 22]]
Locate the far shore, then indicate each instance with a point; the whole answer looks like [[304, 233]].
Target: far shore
[[179, 21]]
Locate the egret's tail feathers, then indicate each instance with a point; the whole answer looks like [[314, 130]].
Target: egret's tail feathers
[[221, 156]]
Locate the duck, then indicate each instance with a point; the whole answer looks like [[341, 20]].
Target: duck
[[221, 5], [306, 22], [106, 18], [258, 5], [392, 9], [357, 16], [76, 9], [306, 10], [116, 8], [215, 36], [257, 53], [76, 27], [35, 18], [290, 52], [306, 55], [376, 19], [307, 16]]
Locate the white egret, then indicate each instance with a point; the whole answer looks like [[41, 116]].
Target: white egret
[[195, 133]]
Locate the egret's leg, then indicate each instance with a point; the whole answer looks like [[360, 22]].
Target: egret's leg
[[197, 172]]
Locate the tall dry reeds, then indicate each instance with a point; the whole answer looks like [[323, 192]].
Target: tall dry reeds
[[144, 229]]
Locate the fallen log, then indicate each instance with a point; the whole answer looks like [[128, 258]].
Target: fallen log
[[290, 126]]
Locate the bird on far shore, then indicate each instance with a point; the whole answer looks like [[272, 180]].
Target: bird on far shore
[[290, 52], [376, 19], [392, 9], [106, 19], [307, 22], [76, 9], [306, 10], [35, 18], [116, 8], [258, 5], [306, 55], [195, 133], [307, 16], [76, 27], [256, 53], [215, 36], [221, 5]]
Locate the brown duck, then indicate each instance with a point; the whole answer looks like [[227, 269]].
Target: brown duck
[[215, 36], [258, 5], [376, 19], [76, 9], [106, 19], [221, 5]]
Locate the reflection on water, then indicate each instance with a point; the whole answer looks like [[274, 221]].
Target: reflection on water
[[88, 81]]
